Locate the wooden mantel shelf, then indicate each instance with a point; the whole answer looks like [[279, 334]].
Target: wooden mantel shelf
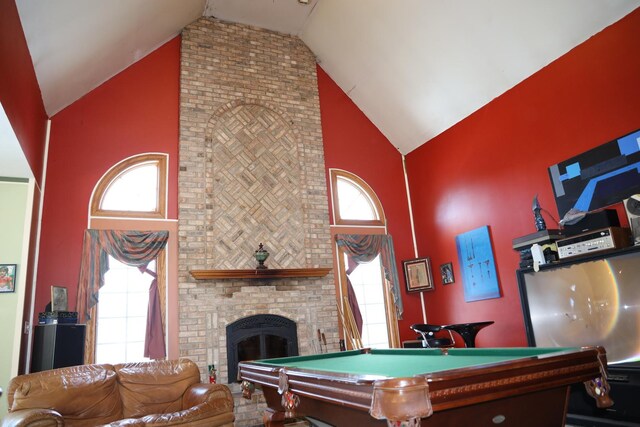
[[267, 273]]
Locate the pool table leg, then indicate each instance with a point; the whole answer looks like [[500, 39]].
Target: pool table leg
[[598, 387], [271, 418]]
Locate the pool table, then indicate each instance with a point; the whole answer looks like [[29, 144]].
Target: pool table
[[435, 387]]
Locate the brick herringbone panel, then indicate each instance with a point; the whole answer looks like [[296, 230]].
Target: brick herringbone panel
[[256, 189]]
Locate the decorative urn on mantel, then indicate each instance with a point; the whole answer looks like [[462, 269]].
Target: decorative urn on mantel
[[261, 256], [261, 271]]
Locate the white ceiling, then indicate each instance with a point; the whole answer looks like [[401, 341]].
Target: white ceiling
[[417, 67], [414, 67], [284, 16], [76, 45]]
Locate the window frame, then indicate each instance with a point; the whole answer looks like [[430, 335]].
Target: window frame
[[354, 226], [393, 333], [133, 220], [121, 168], [91, 331], [335, 175]]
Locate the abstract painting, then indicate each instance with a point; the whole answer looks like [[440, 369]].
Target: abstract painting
[[475, 253], [599, 177]]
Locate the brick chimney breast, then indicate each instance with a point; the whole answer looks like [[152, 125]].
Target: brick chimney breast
[[251, 170]]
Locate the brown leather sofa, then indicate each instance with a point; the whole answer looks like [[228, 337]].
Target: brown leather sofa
[[156, 393]]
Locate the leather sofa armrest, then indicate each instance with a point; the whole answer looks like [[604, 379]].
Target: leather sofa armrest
[[215, 397], [203, 404], [208, 405], [38, 417]]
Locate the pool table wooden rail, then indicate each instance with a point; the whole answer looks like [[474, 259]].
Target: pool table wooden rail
[[449, 389], [353, 391]]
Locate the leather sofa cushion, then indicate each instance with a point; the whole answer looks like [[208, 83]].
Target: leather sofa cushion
[[85, 395], [155, 388]]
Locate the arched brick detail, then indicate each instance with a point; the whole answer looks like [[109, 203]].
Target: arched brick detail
[[253, 185]]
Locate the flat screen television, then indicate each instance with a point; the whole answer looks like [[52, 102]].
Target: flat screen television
[[586, 301]]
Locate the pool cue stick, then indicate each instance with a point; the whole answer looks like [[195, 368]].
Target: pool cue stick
[[353, 324], [347, 332]]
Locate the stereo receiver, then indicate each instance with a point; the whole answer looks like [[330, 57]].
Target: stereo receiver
[[604, 239]]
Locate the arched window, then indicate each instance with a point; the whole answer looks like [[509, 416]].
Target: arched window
[[354, 202], [125, 198], [368, 311], [135, 187]]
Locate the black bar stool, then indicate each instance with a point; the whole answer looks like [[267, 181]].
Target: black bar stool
[[468, 331], [429, 338]]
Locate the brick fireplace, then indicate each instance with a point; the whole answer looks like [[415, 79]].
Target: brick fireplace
[[251, 171]]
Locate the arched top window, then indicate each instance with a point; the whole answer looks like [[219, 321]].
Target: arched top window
[[367, 309], [354, 202], [135, 187]]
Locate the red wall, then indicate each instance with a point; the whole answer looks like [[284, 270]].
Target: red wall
[[136, 111], [486, 169], [19, 90], [353, 143]]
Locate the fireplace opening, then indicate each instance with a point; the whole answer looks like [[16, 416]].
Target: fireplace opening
[[263, 336]]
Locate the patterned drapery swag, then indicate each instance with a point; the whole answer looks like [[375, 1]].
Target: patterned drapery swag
[[133, 248], [363, 248]]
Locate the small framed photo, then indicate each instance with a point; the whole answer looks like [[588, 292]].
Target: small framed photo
[[446, 273], [417, 273], [58, 298], [8, 277]]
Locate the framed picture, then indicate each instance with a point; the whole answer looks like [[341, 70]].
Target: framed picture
[[446, 273], [417, 273], [8, 277], [58, 298]]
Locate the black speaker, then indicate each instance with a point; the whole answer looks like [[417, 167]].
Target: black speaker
[[593, 221], [57, 346]]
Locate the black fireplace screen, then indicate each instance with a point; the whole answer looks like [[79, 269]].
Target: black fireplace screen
[[262, 336]]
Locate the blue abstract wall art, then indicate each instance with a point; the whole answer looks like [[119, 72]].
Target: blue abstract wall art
[[475, 253], [600, 177]]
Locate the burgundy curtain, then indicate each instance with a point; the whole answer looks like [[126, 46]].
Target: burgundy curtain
[[351, 295], [364, 248], [134, 248], [154, 338]]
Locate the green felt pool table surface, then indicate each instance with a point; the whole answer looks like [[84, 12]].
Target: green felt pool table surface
[[407, 363]]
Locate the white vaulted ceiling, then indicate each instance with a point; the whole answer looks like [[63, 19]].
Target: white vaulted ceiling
[[76, 45], [414, 67], [417, 67]]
